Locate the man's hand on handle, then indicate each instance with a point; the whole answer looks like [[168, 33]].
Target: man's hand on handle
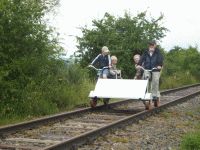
[[138, 67]]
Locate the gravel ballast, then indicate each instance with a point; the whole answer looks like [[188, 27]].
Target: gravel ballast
[[163, 131]]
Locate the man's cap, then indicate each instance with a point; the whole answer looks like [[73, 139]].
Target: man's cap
[[153, 42], [105, 49]]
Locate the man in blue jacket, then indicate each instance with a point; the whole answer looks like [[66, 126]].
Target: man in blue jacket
[[152, 59]]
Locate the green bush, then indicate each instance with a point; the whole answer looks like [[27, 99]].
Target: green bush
[[33, 80], [68, 87], [181, 67]]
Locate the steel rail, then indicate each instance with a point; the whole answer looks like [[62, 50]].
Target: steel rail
[[74, 142], [179, 88], [14, 148]]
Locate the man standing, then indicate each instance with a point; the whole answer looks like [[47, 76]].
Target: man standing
[[152, 59]]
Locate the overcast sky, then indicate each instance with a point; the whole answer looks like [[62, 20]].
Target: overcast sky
[[181, 18]]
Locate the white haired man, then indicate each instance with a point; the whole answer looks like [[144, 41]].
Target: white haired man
[[114, 72], [139, 71]]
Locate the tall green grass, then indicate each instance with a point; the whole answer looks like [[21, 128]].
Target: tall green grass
[[67, 88], [177, 80]]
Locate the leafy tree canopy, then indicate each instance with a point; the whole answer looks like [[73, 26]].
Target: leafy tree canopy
[[124, 36], [183, 61], [28, 49]]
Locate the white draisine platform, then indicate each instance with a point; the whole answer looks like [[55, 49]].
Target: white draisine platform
[[121, 88]]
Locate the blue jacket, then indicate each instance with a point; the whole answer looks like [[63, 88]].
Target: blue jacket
[[150, 62], [102, 61]]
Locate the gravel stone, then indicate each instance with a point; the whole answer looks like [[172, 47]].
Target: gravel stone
[[163, 131]]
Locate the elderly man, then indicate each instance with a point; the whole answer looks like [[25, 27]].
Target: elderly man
[[139, 71], [114, 72], [153, 59]]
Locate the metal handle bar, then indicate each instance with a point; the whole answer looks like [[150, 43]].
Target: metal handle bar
[[91, 66], [148, 69]]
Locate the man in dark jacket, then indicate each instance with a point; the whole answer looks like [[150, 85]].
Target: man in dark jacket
[[152, 59]]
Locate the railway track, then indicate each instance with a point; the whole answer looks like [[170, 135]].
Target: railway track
[[69, 130]]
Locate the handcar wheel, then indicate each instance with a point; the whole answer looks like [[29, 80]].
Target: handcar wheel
[[105, 101], [93, 102], [148, 105]]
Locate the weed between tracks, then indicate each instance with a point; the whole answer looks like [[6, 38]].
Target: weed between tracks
[[191, 141]]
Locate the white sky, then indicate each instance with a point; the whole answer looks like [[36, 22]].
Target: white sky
[[181, 18]]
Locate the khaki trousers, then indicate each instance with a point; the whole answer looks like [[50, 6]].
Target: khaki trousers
[[154, 82]]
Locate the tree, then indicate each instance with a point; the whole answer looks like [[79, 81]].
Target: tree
[[181, 61], [124, 36], [28, 50], [181, 67]]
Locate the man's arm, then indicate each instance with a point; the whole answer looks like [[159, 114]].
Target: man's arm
[[109, 61], [95, 60]]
